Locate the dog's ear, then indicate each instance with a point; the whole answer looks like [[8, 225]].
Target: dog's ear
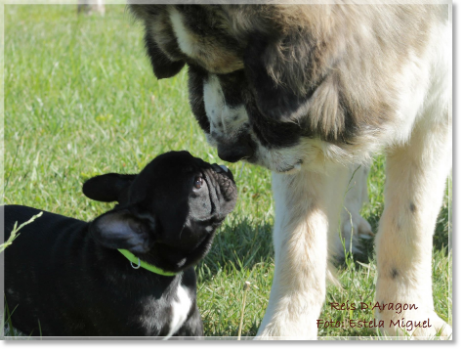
[[108, 187], [284, 74], [163, 66], [120, 229]]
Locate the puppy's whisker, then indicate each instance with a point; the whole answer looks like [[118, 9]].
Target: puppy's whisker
[[224, 124], [181, 231], [241, 171]]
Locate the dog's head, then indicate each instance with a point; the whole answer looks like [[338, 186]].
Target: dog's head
[[261, 78], [167, 215]]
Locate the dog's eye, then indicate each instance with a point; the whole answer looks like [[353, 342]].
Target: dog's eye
[[199, 182]]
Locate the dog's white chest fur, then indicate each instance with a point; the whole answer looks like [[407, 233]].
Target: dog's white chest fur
[[181, 306]]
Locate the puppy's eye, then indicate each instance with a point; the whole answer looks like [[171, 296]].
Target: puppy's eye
[[199, 182]]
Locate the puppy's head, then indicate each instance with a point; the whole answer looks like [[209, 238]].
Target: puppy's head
[[259, 78], [167, 214]]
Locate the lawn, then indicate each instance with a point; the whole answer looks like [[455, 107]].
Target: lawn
[[81, 100]]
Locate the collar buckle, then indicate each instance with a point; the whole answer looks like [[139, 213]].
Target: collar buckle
[[136, 263], [136, 267]]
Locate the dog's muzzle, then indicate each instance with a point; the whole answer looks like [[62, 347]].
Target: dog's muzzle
[[243, 148]]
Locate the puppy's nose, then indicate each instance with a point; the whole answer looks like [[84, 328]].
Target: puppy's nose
[[233, 152]]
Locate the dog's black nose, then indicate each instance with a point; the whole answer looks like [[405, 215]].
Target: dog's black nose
[[233, 152]]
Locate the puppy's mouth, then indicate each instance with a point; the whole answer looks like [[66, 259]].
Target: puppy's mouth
[[296, 167], [222, 191]]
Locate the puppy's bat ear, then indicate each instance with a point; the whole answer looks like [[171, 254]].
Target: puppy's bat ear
[[108, 187], [163, 66], [284, 73], [120, 229]]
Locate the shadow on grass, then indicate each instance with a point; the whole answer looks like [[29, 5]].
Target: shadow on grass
[[441, 235], [238, 245], [243, 243], [440, 238]]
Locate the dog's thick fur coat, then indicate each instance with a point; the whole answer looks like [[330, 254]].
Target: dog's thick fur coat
[[310, 91], [65, 277]]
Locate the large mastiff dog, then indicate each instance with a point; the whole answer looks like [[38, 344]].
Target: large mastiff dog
[[309, 91]]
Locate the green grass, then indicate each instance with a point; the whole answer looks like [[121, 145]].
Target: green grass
[[81, 100]]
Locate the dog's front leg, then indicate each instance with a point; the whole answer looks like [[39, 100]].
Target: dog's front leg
[[308, 206], [353, 225], [415, 184]]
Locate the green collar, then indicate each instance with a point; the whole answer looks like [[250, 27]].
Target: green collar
[[134, 259]]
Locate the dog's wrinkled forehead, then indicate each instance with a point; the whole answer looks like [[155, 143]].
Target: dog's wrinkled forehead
[[168, 174], [178, 190]]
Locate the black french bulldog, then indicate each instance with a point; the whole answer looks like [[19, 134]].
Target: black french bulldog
[[66, 277]]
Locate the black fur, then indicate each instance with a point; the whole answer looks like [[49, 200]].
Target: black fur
[[278, 101], [109, 187], [63, 276], [233, 86], [271, 133], [196, 77], [163, 66]]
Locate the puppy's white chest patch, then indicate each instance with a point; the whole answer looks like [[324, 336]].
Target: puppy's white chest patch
[[180, 308]]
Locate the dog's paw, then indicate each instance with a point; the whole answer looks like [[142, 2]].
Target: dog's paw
[[422, 325], [275, 332], [440, 329], [354, 228], [291, 322], [354, 224]]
